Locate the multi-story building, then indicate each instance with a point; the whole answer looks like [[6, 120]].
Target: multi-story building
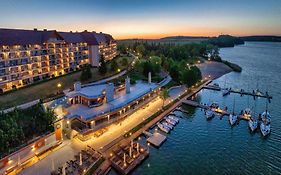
[[27, 56]]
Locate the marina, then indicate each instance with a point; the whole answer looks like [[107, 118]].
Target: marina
[[242, 92]]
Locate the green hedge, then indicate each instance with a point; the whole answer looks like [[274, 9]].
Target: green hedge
[[139, 126]]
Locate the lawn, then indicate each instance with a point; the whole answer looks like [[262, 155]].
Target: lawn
[[49, 88]]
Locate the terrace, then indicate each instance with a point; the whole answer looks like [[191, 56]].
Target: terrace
[[121, 99]]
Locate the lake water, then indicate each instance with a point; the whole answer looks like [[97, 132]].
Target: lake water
[[197, 146]]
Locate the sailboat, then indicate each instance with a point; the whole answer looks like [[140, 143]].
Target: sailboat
[[247, 112], [265, 124], [209, 114], [225, 91], [253, 123], [232, 117]]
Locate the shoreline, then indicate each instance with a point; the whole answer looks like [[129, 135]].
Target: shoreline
[[213, 69]]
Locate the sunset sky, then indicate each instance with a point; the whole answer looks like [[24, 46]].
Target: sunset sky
[[146, 18]]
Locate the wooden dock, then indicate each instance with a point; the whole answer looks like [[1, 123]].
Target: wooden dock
[[241, 92], [156, 139], [219, 111]]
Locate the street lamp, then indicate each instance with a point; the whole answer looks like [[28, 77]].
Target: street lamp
[[59, 85]]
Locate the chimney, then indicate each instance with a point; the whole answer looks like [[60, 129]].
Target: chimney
[[127, 85], [77, 86], [109, 92], [35, 29], [45, 30], [100, 32], [85, 30], [149, 77], [70, 31]]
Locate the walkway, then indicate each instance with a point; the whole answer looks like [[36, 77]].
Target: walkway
[[114, 133]]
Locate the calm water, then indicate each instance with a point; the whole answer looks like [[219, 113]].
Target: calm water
[[197, 146]]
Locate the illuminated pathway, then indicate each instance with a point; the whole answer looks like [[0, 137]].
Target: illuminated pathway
[[67, 152]]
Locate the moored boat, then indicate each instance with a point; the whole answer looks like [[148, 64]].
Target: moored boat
[[253, 124], [172, 122], [174, 118], [209, 114], [167, 125], [232, 119], [247, 113], [163, 128], [265, 128], [225, 92]]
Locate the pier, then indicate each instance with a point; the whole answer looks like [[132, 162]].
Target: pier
[[181, 110], [155, 139], [219, 111], [240, 91]]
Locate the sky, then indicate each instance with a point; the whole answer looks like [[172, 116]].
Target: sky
[[146, 18]]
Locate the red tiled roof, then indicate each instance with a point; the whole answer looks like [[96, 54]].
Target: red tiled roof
[[23, 37]]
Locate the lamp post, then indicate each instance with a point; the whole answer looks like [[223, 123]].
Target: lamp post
[[59, 85]]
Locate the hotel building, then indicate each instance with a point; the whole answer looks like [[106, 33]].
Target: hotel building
[[27, 56], [88, 108]]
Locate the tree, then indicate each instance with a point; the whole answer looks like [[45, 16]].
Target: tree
[[114, 65], [124, 62], [147, 67], [86, 73], [191, 76], [164, 94], [102, 67], [175, 72], [140, 49]]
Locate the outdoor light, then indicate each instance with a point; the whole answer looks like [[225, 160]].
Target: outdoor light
[[59, 85]]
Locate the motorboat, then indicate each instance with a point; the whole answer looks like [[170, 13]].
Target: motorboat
[[209, 114], [163, 128], [232, 119], [265, 128], [253, 124], [170, 121], [168, 125], [174, 118]]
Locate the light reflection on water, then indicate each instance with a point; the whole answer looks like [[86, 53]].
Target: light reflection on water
[[197, 146]]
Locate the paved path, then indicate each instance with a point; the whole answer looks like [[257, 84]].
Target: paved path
[[115, 131]]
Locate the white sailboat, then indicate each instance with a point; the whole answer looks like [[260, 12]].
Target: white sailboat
[[225, 90], [232, 117], [265, 124], [209, 114], [253, 123], [265, 129]]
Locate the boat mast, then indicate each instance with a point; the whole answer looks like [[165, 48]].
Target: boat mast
[[233, 105]]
